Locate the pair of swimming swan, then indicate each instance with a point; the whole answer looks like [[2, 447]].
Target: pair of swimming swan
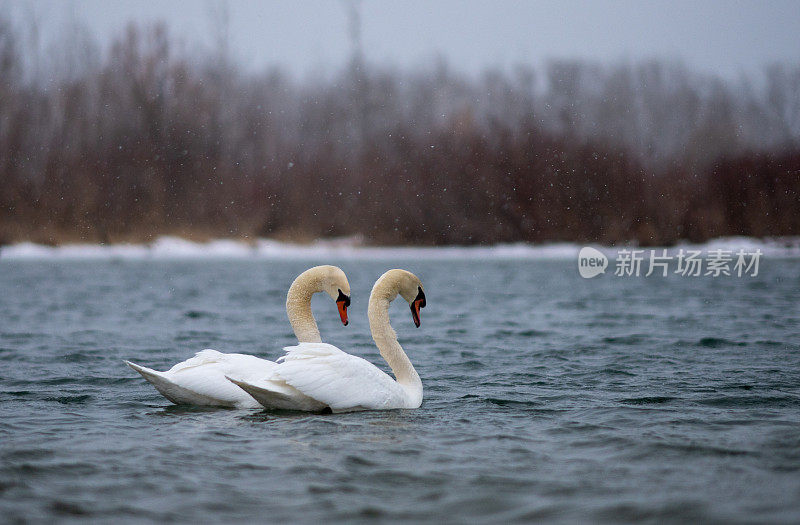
[[312, 376]]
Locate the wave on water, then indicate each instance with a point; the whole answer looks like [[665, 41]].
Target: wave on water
[[352, 248]]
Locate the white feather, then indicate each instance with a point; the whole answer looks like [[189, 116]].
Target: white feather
[[201, 380], [337, 379]]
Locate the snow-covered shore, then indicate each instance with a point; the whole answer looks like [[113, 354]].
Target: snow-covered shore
[[177, 248]]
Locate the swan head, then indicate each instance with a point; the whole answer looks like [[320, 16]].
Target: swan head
[[410, 288], [333, 281]]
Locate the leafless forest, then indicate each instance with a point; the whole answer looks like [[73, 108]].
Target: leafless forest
[[153, 137]]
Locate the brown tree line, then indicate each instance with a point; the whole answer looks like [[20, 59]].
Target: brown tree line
[[150, 139]]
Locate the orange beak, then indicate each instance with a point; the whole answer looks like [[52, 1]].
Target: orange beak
[[419, 302], [342, 302], [415, 313]]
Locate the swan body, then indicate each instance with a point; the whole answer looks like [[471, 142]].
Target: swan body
[[201, 380], [319, 376]]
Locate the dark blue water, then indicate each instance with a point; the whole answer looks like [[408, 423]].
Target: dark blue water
[[547, 397]]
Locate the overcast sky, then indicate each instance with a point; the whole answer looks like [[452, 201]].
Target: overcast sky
[[723, 37]]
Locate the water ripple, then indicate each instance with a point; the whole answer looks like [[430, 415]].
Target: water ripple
[[568, 400]]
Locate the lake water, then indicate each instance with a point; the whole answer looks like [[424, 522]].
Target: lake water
[[547, 396]]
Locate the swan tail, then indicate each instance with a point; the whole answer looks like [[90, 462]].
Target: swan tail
[[270, 396], [171, 390], [147, 373]]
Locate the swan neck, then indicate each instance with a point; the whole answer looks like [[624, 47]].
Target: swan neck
[[386, 339], [298, 308]]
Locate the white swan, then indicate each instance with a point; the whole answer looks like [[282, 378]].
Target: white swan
[[319, 376], [201, 379]]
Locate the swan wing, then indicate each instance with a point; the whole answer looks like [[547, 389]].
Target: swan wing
[[241, 364], [337, 379]]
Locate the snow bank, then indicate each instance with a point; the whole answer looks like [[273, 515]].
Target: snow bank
[[351, 248]]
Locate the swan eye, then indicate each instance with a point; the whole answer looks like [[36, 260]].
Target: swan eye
[[343, 298]]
